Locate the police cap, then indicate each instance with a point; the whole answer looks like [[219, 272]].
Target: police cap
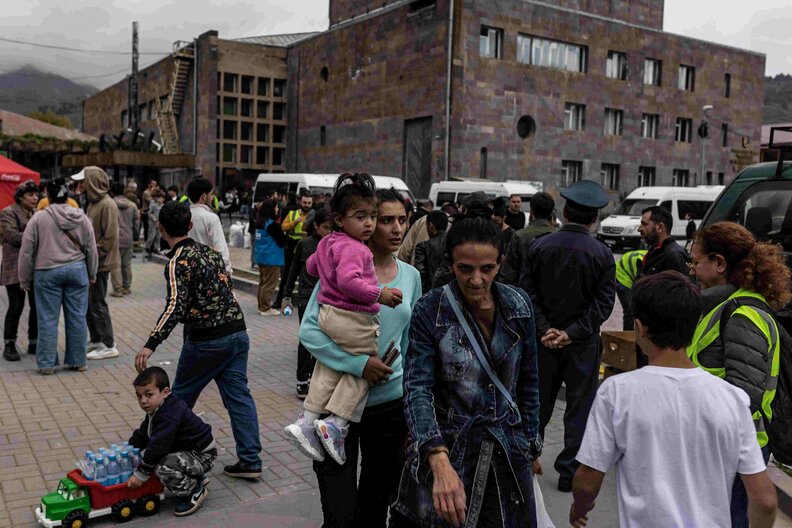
[[587, 193]]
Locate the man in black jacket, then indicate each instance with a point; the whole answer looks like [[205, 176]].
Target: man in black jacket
[[664, 252], [571, 278], [542, 206], [430, 254]]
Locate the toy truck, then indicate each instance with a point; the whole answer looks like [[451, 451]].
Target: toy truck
[[77, 500]]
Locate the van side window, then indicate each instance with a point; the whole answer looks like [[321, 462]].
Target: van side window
[[697, 208], [443, 197], [667, 205]]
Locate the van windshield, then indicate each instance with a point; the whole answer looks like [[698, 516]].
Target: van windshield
[[633, 207]]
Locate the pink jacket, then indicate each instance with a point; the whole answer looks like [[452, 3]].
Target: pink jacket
[[345, 268]]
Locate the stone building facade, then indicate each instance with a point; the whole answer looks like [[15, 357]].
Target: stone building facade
[[553, 90], [233, 113]]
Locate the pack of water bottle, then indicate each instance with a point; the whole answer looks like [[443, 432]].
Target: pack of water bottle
[[112, 466]]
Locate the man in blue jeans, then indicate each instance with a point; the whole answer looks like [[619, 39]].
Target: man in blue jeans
[[200, 295]]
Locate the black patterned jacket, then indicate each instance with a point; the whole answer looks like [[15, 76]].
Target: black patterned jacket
[[200, 295]]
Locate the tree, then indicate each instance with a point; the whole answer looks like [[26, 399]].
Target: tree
[[52, 118]]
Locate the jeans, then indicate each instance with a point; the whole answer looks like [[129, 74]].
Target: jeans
[[100, 326], [223, 360], [623, 293], [16, 303], [381, 436], [739, 499], [65, 286], [122, 276]]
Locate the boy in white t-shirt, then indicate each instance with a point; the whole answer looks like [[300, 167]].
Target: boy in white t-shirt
[[677, 435]]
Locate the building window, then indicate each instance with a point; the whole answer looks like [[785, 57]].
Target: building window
[[229, 153], [684, 130], [725, 134], [649, 125], [246, 131], [491, 42], [646, 176], [230, 82], [279, 88], [246, 154], [680, 178], [616, 65], [229, 106], [262, 133], [124, 119], [277, 157], [483, 163], [229, 129], [574, 116], [279, 111], [263, 86], [278, 135], [727, 85], [262, 155], [262, 109], [610, 176], [720, 178], [246, 110], [687, 78], [526, 126], [613, 121], [322, 136], [709, 177], [551, 53], [571, 171], [247, 84], [653, 72]]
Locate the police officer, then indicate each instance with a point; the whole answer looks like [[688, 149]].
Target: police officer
[[570, 277]]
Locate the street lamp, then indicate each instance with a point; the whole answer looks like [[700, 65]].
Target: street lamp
[[703, 133]]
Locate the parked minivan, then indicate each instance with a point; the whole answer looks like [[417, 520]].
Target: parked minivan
[[285, 183], [620, 229], [456, 191]]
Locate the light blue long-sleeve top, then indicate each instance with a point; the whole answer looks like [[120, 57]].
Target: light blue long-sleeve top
[[394, 325]]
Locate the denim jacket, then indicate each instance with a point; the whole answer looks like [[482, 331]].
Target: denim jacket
[[450, 401]]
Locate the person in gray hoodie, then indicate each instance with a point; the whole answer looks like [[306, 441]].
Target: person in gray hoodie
[[103, 214], [58, 254], [128, 229]]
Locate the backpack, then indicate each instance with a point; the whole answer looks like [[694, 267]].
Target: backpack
[[779, 430]]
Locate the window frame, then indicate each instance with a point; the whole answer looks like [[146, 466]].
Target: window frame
[[577, 172], [687, 82], [645, 172], [650, 123], [616, 65], [574, 114], [485, 46], [541, 52], [610, 176], [683, 131], [656, 75], [618, 122]]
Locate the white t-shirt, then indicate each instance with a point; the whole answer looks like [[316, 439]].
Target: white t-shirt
[[678, 438]]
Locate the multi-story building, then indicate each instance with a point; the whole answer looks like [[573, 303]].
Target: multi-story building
[[552, 90], [222, 100]]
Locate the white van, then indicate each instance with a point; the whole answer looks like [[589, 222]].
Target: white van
[[620, 229], [456, 191], [285, 183]]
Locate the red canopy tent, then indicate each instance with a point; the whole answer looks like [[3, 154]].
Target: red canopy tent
[[11, 175]]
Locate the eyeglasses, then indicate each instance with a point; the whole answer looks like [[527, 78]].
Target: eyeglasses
[[693, 263]]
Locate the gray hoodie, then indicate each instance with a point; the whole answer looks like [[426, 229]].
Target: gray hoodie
[[128, 222], [45, 244]]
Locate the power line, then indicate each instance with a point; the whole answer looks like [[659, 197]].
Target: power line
[[78, 50]]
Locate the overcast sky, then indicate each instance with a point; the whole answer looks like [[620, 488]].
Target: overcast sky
[[761, 26]]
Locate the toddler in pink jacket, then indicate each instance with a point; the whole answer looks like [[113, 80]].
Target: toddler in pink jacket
[[349, 303]]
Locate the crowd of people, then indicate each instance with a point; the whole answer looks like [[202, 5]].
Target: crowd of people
[[433, 345]]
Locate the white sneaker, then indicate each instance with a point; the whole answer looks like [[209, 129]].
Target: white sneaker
[[303, 435], [104, 353], [95, 346], [271, 311]]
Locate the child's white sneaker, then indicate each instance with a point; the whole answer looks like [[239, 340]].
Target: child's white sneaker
[[332, 438], [302, 434]]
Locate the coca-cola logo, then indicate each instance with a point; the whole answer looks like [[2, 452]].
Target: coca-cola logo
[[10, 177]]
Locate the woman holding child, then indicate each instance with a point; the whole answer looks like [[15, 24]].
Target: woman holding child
[[380, 431]]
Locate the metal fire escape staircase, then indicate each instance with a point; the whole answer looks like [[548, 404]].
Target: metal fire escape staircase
[[170, 107]]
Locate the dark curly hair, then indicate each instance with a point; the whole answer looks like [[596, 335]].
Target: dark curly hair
[[755, 266], [349, 189]]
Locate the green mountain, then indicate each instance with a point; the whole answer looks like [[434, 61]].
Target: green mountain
[[777, 99]]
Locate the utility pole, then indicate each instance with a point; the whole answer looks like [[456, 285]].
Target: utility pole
[[132, 109]]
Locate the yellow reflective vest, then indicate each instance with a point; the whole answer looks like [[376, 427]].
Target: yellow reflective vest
[[628, 266], [296, 233], [708, 333]]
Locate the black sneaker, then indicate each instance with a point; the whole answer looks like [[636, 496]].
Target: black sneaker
[[302, 389], [190, 504], [239, 471], [10, 352]]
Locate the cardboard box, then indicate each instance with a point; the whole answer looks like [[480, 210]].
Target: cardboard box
[[618, 349]]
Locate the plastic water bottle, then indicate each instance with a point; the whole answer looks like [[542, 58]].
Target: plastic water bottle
[[100, 474], [88, 465], [135, 458], [287, 311], [113, 471], [125, 466]]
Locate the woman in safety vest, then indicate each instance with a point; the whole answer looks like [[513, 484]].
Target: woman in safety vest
[[733, 270]]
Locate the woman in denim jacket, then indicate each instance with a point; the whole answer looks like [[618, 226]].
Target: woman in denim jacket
[[471, 455]]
